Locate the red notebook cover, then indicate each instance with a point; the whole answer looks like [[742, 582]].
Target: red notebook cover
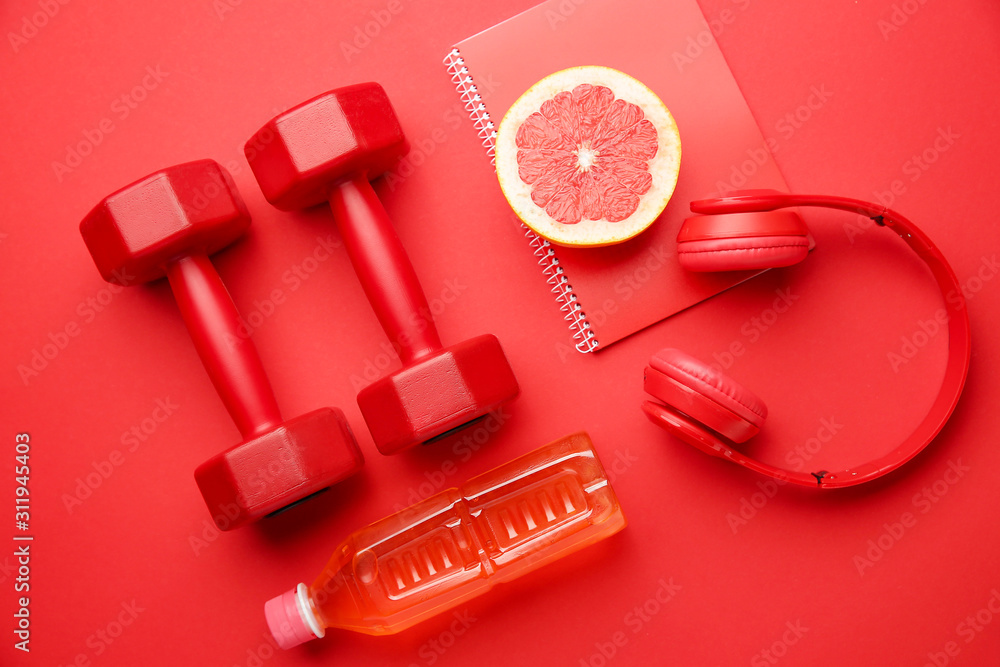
[[611, 292]]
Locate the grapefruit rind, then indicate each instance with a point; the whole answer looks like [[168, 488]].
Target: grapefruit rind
[[664, 166]]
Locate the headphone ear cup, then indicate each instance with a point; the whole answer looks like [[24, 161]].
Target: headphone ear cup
[[745, 254], [705, 395], [742, 241], [685, 428]]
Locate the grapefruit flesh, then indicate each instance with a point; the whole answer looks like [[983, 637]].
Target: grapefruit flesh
[[588, 156]]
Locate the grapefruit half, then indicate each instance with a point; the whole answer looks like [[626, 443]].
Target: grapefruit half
[[588, 156]]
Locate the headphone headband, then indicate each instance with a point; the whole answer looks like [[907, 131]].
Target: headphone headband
[[959, 333]]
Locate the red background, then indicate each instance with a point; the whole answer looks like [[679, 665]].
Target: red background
[[142, 539]]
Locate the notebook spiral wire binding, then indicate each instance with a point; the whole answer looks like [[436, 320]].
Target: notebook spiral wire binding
[[567, 301]]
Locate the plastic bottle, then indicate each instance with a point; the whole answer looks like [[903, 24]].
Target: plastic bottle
[[456, 545]]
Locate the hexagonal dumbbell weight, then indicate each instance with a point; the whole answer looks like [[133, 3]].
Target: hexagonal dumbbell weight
[[167, 224], [327, 149]]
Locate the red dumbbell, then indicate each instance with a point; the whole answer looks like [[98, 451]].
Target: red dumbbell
[[327, 149], [167, 224]]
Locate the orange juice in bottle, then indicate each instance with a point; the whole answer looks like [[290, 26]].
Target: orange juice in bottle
[[455, 545]]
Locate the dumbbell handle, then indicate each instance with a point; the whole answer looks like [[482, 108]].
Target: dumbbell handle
[[231, 360], [384, 269]]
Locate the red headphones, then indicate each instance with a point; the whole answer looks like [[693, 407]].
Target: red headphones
[[707, 409]]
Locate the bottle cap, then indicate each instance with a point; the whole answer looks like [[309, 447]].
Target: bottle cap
[[290, 619]]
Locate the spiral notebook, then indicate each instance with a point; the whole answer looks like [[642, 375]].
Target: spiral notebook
[[608, 293]]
